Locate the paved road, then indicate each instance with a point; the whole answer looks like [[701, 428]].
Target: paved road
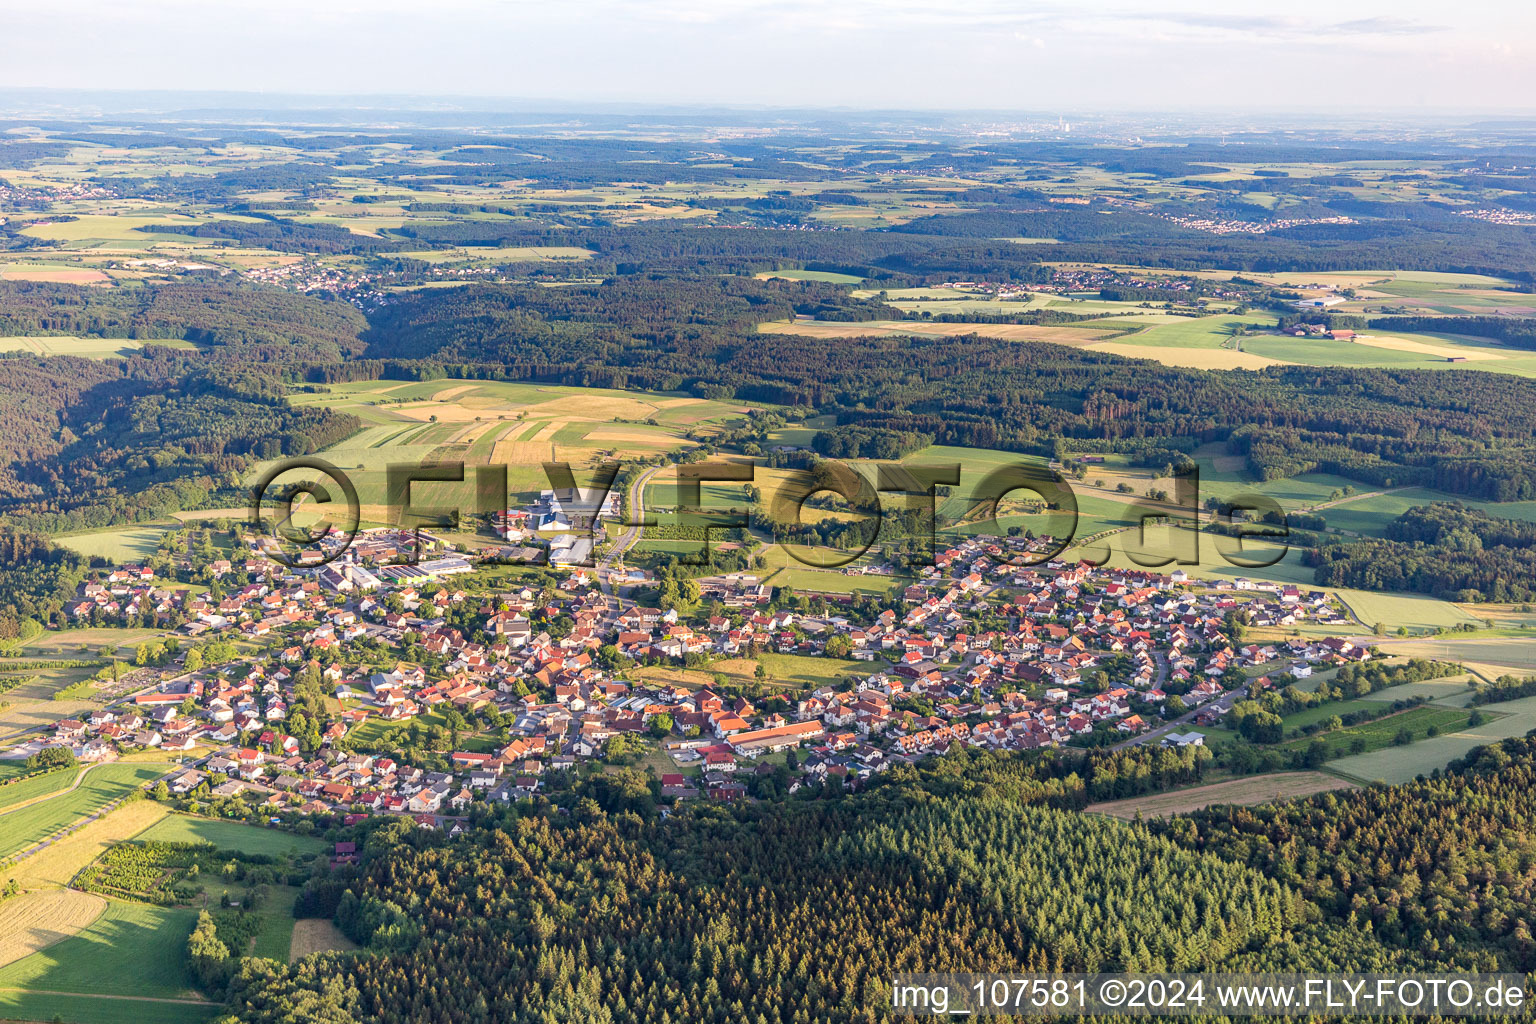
[[627, 540], [1225, 702]]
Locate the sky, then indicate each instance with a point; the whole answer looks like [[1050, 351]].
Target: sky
[[1296, 55]]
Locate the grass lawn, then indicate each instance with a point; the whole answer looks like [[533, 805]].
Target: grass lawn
[[24, 826], [232, 835]]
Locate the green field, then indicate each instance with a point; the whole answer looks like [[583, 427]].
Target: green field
[[797, 668], [36, 786], [1413, 611], [132, 949], [119, 545], [1416, 355], [1197, 332], [1402, 764], [21, 1005], [1380, 733], [231, 835], [21, 828], [1369, 516]]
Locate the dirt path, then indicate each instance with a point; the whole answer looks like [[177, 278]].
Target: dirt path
[[126, 999], [1353, 497], [79, 778]]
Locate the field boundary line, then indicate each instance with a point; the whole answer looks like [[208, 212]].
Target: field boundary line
[[101, 995]]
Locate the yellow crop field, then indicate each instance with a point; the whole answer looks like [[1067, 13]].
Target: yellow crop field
[[34, 920], [55, 865], [1258, 789], [519, 453], [316, 935]]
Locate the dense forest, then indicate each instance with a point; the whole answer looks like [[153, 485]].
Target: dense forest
[[1467, 433], [85, 443], [256, 324], [1446, 549], [728, 913]]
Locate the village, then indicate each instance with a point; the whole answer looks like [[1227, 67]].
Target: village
[[312, 669]]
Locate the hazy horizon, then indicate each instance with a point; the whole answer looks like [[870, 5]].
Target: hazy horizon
[[1320, 58]]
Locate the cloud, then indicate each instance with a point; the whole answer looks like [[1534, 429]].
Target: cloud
[[1387, 27]]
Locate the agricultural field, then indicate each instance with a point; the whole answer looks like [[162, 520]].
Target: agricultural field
[[1205, 343], [131, 949], [85, 642], [37, 787], [36, 920], [1058, 334], [1413, 292], [1413, 611], [1394, 764], [36, 701], [827, 276], [231, 835], [24, 826], [89, 348], [79, 1008], [1368, 515], [489, 257], [1504, 655], [785, 671], [55, 865], [1382, 733], [317, 935], [520, 426], [119, 545], [1257, 789]]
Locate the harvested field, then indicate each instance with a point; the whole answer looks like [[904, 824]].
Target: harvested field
[[596, 407], [1258, 789], [1445, 351], [82, 276], [316, 935], [633, 437], [547, 431], [34, 920], [518, 453]]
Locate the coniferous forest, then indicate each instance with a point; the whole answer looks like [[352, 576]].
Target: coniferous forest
[[801, 910]]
